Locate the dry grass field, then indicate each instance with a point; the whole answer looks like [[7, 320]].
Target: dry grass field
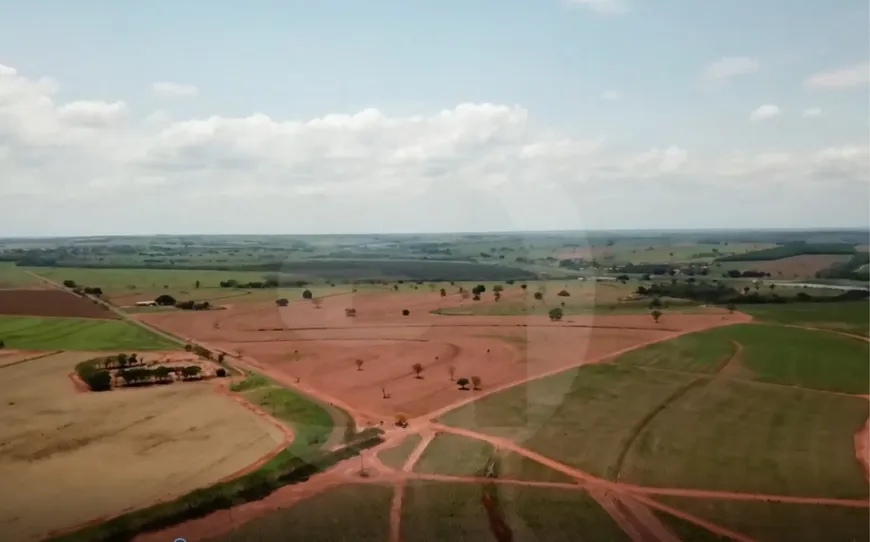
[[74, 457]]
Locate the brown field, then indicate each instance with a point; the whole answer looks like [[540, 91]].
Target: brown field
[[806, 265], [50, 303], [74, 457], [319, 346]]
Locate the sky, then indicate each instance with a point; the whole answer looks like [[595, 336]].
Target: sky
[[394, 116]]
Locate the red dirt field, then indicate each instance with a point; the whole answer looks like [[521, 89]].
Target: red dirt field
[[50, 303], [319, 346]]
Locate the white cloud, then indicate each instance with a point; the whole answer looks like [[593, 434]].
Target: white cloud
[[468, 167], [611, 95], [607, 7], [728, 67], [92, 113], [812, 112], [856, 75], [7, 71], [765, 112], [174, 90]]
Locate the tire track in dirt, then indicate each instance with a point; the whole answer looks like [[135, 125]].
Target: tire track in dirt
[[33, 358], [635, 520], [644, 422]]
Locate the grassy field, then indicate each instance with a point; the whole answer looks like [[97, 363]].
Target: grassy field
[[847, 316], [780, 522], [595, 403], [12, 276], [455, 455], [39, 333], [120, 280], [799, 357], [358, 512], [737, 436], [461, 456], [310, 421], [396, 456], [57, 443], [434, 511], [696, 352]]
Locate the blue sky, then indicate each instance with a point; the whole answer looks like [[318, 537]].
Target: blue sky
[[636, 76]]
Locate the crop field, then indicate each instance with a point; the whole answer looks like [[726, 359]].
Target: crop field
[[847, 316], [36, 333], [121, 280], [641, 251], [448, 511], [698, 413], [154, 442], [50, 303], [12, 276], [358, 512], [780, 522]]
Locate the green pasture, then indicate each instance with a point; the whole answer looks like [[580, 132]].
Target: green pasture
[[396, 456], [311, 422], [12, 276], [845, 316], [358, 512], [438, 511], [44, 333], [776, 521]]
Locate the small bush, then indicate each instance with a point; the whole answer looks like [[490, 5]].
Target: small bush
[[564, 293], [221, 372], [556, 314], [405, 312]]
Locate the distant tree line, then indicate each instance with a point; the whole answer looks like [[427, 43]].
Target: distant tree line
[[790, 249], [721, 294]]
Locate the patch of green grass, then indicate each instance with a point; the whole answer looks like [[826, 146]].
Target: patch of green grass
[[358, 512], [695, 352], [455, 455], [583, 417], [51, 333], [799, 357], [250, 382], [516, 466], [780, 522], [396, 456], [846, 316], [686, 530], [437, 511], [731, 435], [119, 280], [310, 421], [12, 276]]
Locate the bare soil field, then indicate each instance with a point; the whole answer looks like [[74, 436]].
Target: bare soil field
[[318, 347], [50, 303], [111, 451], [806, 265]]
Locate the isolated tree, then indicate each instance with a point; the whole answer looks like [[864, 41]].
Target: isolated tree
[[396, 287], [221, 373], [451, 372], [197, 284], [524, 286], [443, 292], [475, 382], [497, 288], [656, 314], [556, 314], [405, 312], [463, 384], [282, 302], [69, 283], [539, 296], [401, 419], [564, 293], [418, 369], [350, 313], [307, 294], [731, 308], [359, 364]]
